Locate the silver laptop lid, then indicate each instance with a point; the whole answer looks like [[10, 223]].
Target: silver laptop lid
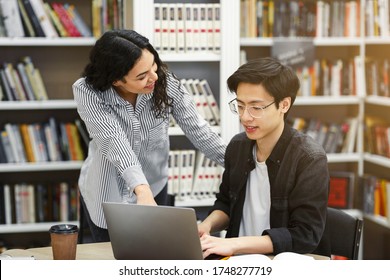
[[140, 232]]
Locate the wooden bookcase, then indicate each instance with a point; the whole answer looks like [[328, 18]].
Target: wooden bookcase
[[330, 108]]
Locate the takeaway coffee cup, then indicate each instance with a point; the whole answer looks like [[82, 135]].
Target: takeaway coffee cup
[[64, 241]]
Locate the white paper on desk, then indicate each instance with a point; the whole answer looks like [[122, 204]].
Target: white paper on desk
[[280, 256]]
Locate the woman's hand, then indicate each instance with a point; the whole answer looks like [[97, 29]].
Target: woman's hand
[[144, 195]]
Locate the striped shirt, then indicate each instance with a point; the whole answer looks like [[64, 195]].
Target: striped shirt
[[129, 146]]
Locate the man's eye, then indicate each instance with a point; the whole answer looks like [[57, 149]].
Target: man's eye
[[257, 108]]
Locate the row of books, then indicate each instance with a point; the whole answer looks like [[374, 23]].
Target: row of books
[[35, 18], [107, 15], [368, 192], [192, 175], [187, 27], [204, 99], [334, 137], [377, 136], [377, 18], [41, 142], [328, 77], [36, 203], [21, 82], [273, 18], [331, 77], [377, 76]]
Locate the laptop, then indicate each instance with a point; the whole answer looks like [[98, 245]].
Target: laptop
[[143, 232]]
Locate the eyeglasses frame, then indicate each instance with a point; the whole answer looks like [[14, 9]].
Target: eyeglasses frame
[[246, 109]]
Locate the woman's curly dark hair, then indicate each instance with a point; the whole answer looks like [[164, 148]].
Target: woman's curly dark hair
[[115, 54]]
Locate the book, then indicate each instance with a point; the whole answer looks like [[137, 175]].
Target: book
[[199, 179], [216, 27], [9, 95], [172, 39], [176, 172], [63, 202], [77, 20], [30, 95], [51, 146], [8, 204], [210, 27], [170, 174], [180, 27], [27, 142], [195, 27], [35, 22], [188, 22], [35, 78], [71, 141], [79, 154], [280, 256], [55, 20], [19, 85], [3, 32], [83, 133], [203, 44], [5, 139], [12, 18], [28, 27], [44, 20], [55, 137], [96, 18], [157, 27], [2, 206], [16, 145], [65, 19], [3, 155], [350, 139], [164, 28], [341, 189], [211, 100], [186, 165], [187, 83], [9, 79], [34, 143]]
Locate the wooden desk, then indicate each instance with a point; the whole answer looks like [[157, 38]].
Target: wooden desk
[[89, 251]]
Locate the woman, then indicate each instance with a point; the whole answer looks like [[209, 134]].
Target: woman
[[125, 98]]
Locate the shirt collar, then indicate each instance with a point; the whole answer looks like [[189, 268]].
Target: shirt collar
[[111, 97]]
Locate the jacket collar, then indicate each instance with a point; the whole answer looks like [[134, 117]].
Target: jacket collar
[[279, 150]]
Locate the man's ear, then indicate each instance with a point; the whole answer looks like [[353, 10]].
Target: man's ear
[[285, 104]]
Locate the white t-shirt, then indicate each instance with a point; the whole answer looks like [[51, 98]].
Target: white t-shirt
[[255, 215]]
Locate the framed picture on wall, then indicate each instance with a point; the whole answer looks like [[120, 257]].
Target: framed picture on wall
[[341, 189]]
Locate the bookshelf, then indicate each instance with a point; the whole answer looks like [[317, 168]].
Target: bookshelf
[[370, 42], [61, 61]]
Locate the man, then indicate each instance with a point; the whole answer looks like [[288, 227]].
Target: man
[[274, 191]]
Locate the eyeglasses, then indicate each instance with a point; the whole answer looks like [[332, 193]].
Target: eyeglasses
[[256, 112]]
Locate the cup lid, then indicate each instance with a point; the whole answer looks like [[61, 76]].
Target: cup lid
[[63, 228]]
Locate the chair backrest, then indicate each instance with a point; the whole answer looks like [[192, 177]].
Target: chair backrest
[[345, 233]]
